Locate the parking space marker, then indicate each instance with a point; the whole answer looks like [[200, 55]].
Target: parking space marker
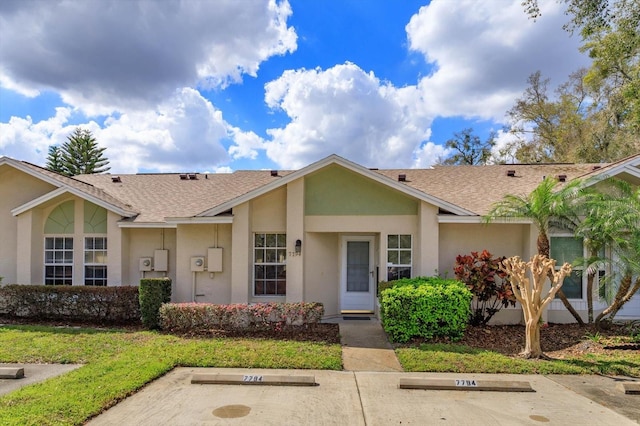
[[253, 379], [464, 384]]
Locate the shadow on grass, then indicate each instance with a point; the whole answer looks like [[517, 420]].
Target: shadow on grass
[[62, 329], [451, 348]]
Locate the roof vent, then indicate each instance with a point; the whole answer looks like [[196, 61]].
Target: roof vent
[[511, 173], [116, 179], [183, 176], [596, 167], [274, 173], [192, 176], [562, 178], [402, 178]]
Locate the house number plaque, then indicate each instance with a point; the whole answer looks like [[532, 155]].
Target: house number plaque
[[466, 383], [252, 378]]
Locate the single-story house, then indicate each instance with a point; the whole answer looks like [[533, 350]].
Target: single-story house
[[327, 233]]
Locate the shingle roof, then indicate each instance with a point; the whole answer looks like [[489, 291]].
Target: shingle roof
[[158, 196], [79, 185], [474, 188]]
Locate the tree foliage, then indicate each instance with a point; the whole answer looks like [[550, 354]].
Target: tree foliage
[[483, 276], [80, 154], [546, 205], [469, 149], [612, 220], [603, 101]]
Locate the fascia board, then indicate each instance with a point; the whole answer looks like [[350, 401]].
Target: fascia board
[[478, 219], [63, 190], [199, 219], [334, 159], [147, 225]]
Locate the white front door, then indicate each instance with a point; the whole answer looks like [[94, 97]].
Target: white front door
[[357, 275]]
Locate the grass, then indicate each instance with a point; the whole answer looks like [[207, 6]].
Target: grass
[[118, 363], [463, 359]]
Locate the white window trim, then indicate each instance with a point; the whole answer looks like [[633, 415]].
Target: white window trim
[[44, 253], [84, 251], [399, 265], [253, 268]]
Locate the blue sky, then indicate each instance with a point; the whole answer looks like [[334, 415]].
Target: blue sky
[[228, 85]]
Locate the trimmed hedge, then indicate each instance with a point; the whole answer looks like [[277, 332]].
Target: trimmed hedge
[[100, 305], [425, 307], [202, 317], [153, 293]]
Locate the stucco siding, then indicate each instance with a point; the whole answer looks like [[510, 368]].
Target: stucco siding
[[269, 212], [500, 239], [322, 274], [142, 243], [16, 188], [210, 287]]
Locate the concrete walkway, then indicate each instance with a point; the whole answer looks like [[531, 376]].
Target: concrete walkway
[[365, 347]]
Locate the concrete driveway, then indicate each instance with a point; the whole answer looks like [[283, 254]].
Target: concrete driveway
[[355, 398]]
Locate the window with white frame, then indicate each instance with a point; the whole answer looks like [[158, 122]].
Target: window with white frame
[[568, 249], [269, 265], [58, 260], [95, 261], [399, 256]]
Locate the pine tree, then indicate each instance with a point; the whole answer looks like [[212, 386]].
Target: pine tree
[[80, 154], [54, 160]]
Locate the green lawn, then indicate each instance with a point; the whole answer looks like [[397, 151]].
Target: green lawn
[[463, 359], [118, 363]]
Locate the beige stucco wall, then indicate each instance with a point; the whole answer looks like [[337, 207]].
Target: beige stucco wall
[[194, 240], [17, 188], [322, 273], [142, 242], [461, 238]]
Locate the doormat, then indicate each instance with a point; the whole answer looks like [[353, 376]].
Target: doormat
[[356, 318]]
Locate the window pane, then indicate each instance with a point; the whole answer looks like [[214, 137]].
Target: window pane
[[281, 272], [259, 287], [270, 272], [282, 240], [392, 241], [48, 257], [88, 257], [68, 243], [259, 256], [100, 244], [259, 272], [281, 287], [565, 249], [404, 272], [405, 257], [259, 240], [271, 287], [392, 257], [572, 285], [48, 243], [88, 243], [271, 240], [271, 256], [282, 256], [58, 243], [101, 257], [405, 241]]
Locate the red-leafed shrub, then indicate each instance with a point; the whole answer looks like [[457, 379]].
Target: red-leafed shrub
[[487, 282], [200, 318]]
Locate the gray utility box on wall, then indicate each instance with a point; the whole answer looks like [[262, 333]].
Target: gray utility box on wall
[[161, 260], [214, 259]]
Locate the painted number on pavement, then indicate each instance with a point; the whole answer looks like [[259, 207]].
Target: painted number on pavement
[[252, 378], [466, 383]]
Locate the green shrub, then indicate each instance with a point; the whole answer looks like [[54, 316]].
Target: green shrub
[[202, 317], [153, 293], [425, 307], [99, 305]]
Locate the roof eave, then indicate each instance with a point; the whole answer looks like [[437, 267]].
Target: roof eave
[[335, 159]]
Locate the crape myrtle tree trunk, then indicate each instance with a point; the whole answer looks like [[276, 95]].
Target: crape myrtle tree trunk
[[528, 291]]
